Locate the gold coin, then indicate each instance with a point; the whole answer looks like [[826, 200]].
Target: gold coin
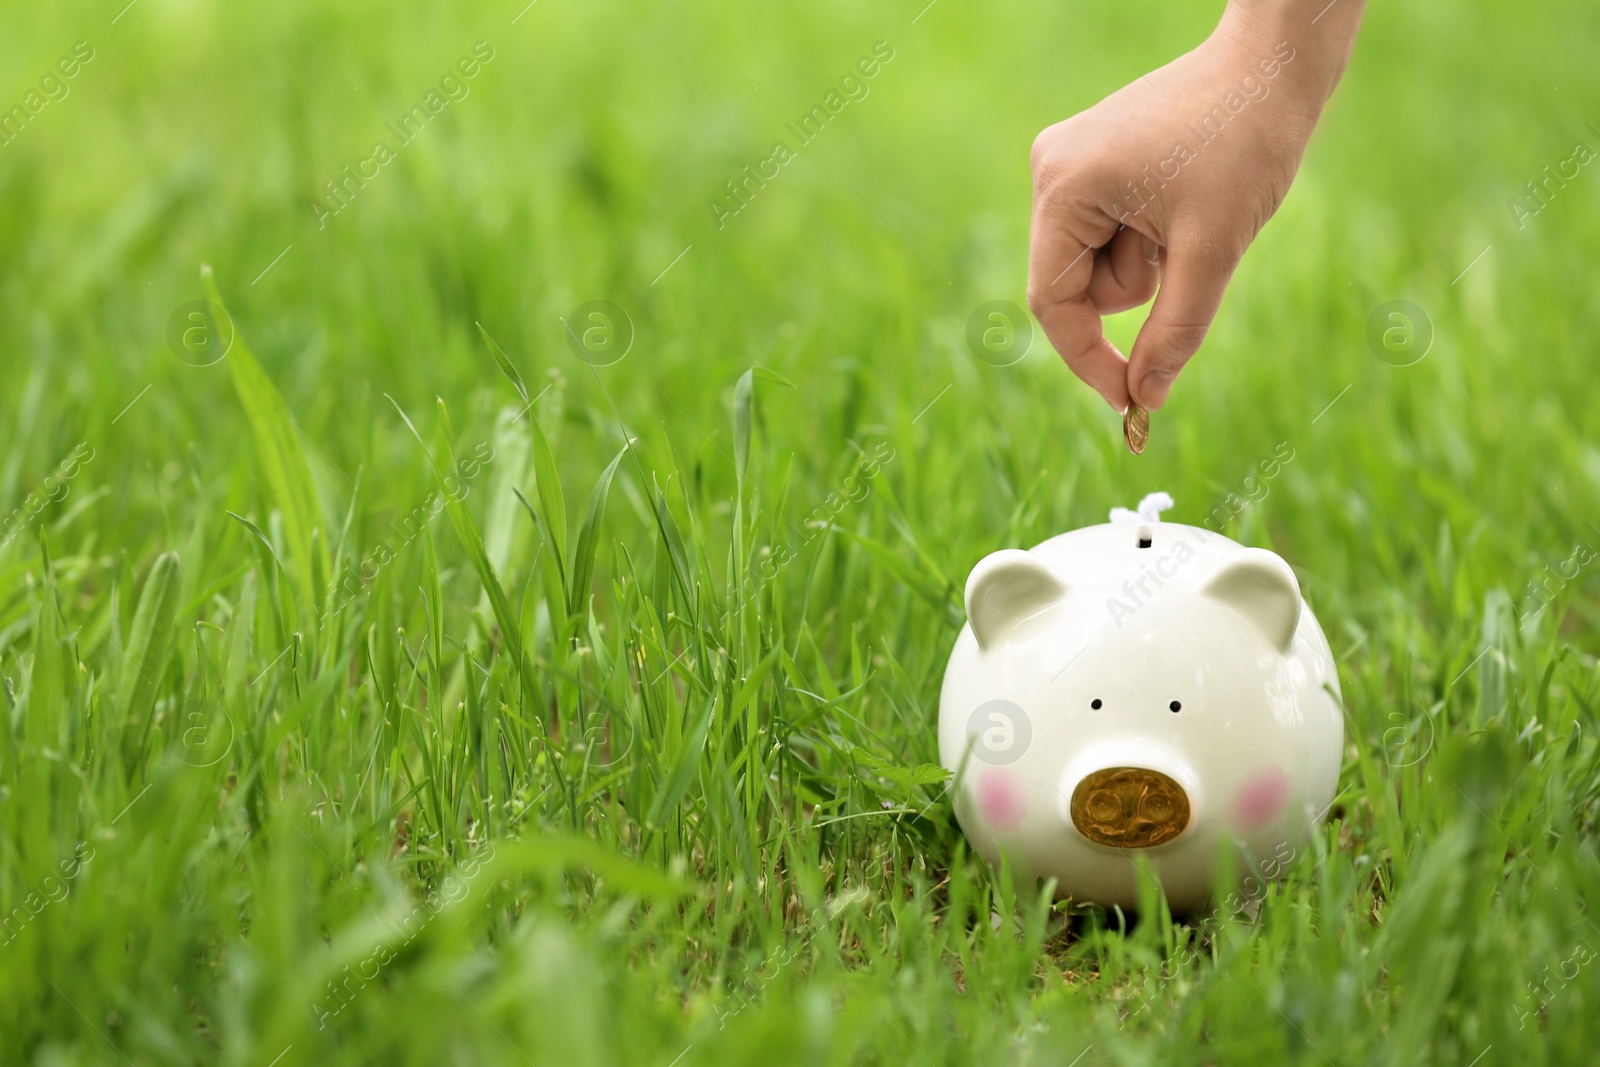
[[1136, 428], [1129, 807]]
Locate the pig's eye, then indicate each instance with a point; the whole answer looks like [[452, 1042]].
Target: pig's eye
[[1175, 706], [1095, 703]]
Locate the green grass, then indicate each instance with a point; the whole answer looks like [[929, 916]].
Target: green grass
[[635, 769]]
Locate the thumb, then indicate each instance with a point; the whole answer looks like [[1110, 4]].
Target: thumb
[[1192, 283]]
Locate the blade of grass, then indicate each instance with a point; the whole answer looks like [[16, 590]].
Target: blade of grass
[[280, 452], [149, 643], [467, 531], [589, 535]]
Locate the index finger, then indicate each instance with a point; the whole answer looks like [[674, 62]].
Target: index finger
[[1060, 266]]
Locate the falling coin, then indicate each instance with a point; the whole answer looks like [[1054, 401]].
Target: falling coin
[[1136, 428]]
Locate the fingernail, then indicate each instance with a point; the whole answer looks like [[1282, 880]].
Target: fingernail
[[1151, 249], [1153, 388]]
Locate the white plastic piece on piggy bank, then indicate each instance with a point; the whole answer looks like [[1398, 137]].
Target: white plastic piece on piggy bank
[[1139, 689]]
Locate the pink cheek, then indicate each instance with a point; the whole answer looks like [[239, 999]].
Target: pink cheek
[[1261, 798], [1000, 799]]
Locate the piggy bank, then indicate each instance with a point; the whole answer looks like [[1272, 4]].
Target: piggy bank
[[1139, 689]]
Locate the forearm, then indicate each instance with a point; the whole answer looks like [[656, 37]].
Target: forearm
[[1322, 35]]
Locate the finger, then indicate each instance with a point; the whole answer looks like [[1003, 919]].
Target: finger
[[1125, 272], [1193, 279], [1074, 330], [1060, 267]]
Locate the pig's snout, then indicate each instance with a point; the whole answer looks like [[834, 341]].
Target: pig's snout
[[1129, 807]]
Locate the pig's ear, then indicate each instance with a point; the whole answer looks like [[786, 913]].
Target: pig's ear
[[1006, 589], [1261, 587]]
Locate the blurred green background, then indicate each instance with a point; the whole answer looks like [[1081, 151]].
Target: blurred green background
[[651, 784]]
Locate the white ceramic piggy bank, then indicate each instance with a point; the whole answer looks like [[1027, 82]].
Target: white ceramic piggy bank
[[1141, 688]]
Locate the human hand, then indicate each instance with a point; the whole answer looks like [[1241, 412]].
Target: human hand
[[1167, 181]]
